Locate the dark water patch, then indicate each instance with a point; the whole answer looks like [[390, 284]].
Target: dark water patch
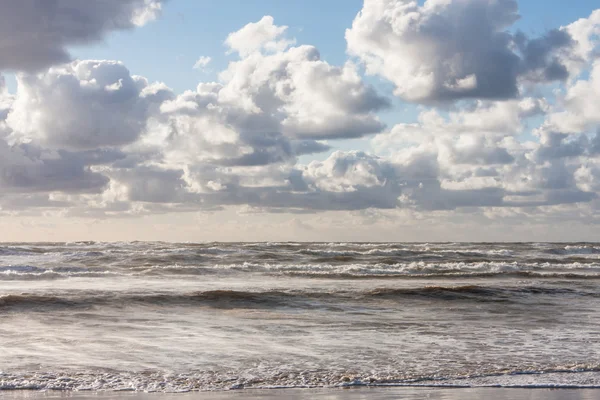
[[163, 259], [216, 299], [336, 259], [178, 270], [21, 269], [233, 299], [268, 256], [23, 250], [476, 293], [36, 301]]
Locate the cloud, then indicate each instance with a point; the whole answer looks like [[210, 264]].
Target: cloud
[[270, 106], [302, 95], [83, 105], [458, 49], [152, 184], [491, 119], [27, 168], [346, 172], [258, 36], [345, 181], [202, 62], [541, 59], [580, 112], [64, 130], [586, 34], [36, 33], [6, 101], [114, 143], [480, 161]]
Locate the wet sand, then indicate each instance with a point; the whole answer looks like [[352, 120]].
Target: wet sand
[[325, 394]]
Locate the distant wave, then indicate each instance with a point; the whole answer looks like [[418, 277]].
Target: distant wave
[[422, 269], [405, 252], [578, 250], [346, 258], [32, 273], [338, 268]]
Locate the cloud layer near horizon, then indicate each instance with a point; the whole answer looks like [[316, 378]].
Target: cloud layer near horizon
[[508, 123]]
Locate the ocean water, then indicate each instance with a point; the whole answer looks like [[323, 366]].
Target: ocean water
[[180, 317]]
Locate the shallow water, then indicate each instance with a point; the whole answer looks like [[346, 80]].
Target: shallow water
[[370, 393], [179, 317]]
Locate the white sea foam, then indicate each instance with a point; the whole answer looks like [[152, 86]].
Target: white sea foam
[[219, 380], [409, 269], [582, 250], [416, 268]]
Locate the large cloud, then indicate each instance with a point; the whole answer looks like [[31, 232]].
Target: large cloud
[[580, 113], [224, 143], [65, 129], [305, 95], [454, 49], [272, 105], [35, 33], [479, 150], [83, 105]]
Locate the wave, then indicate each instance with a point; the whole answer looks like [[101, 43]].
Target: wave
[[282, 378], [341, 268], [406, 252], [281, 298], [574, 250], [320, 260], [30, 272], [575, 377], [215, 298], [421, 269], [476, 293]]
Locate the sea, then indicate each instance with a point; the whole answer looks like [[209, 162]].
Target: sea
[[180, 317]]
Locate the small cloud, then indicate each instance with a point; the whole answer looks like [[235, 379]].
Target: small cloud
[[202, 62]]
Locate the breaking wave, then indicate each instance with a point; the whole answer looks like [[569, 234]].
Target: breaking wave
[[282, 378]]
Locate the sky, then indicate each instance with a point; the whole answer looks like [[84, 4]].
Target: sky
[[231, 120]]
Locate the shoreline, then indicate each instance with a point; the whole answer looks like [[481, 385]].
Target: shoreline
[[341, 393]]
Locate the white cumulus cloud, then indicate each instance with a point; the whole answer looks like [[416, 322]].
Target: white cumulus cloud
[[202, 62]]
